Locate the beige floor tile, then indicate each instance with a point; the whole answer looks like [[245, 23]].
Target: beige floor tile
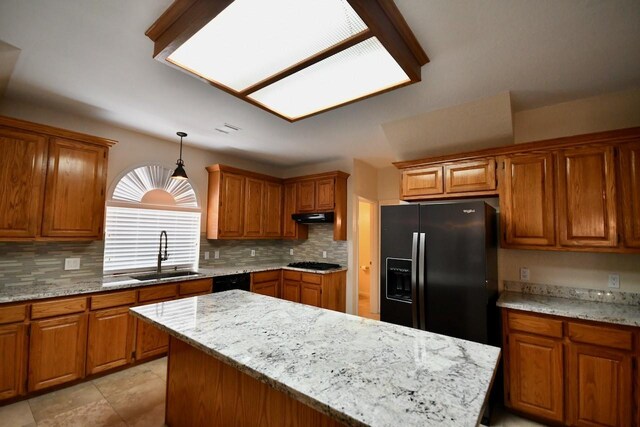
[[94, 414], [54, 403], [133, 402], [119, 382], [158, 367], [17, 415], [501, 417], [151, 418]]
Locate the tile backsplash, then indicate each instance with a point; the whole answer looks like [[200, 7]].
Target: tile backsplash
[[28, 261]]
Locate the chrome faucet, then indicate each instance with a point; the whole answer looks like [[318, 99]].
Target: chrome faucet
[[162, 257]]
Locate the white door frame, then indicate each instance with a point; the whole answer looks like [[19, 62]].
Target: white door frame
[[374, 276]]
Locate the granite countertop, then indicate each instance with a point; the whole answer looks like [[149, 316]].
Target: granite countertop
[[359, 371], [620, 314], [43, 288]]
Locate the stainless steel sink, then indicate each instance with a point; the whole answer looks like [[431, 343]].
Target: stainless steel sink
[[168, 274]]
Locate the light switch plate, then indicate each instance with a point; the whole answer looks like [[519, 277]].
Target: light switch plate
[[324, 254], [524, 274], [253, 252], [72, 263], [614, 281]]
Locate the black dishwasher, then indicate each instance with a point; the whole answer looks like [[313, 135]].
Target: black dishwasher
[[232, 281]]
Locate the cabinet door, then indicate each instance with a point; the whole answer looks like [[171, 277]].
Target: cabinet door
[[12, 360], [110, 339], [600, 386], [463, 177], [272, 212], [254, 208], [527, 200], [290, 228], [422, 182], [630, 184], [291, 290], [74, 196], [325, 194], [231, 210], [22, 169], [57, 351], [306, 200], [150, 341], [586, 197], [536, 376], [311, 294], [267, 288]]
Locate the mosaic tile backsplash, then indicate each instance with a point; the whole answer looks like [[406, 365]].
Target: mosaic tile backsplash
[[24, 262]]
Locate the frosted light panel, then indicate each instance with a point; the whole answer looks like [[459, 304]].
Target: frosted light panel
[[361, 70], [252, 40]]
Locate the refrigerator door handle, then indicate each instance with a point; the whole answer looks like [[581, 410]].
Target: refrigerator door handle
[[414, 284], [421, 280]]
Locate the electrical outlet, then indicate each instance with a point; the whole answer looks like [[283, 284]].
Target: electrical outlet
[[72, 264], [206, 255], [216, 254], [290, 251], [614, 281], [324, 254], [524, 274], [253, 252]]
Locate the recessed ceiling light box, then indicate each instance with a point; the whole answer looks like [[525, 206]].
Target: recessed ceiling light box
[[293, 58]]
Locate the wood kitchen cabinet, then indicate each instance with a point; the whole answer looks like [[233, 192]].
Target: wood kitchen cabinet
[[53, 182], [12, 359], [292, 229], [586, 197], [306, 196], [272, 212], [629, 167], [230, 206], [325, 194], [470, 177], [110, 339], [266, 283], [254, 207], [320, 290], [151, 341], [422, 182], [527, 200], [291, 285], [57, 351], [311, 294]]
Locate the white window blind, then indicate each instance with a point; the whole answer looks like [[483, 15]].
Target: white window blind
[[132, 237]]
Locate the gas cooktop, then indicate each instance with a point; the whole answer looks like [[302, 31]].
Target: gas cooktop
[[315, 265]]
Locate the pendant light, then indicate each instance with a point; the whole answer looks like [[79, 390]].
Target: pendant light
[[180, 173]]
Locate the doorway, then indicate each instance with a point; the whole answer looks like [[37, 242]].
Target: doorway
[[367, 260]]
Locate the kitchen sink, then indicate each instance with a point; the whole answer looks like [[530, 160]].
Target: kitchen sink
[[168, 274]]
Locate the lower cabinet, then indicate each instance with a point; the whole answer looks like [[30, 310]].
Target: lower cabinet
[[291, 290], [110, 339], [267, 288], [57, 351], [150, 341], [311, 294], [266, 283], [571, 372], [12, 360]]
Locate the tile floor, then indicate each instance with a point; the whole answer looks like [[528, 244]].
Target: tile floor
[[364, 308], [133, 397]]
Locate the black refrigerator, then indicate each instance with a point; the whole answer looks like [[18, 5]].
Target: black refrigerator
[[439, 269]]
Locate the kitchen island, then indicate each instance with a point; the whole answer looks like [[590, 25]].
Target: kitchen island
[[237, 357]]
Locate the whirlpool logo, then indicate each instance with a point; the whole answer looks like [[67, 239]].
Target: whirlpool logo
[[469, 210]]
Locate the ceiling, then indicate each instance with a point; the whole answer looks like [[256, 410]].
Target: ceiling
[[92, 58]]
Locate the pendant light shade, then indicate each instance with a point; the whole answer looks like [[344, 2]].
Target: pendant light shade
[[180, 173]]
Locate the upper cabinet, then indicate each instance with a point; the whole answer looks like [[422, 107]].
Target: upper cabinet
[[53, 182], [272, 213], [290, 228], [579, 193]]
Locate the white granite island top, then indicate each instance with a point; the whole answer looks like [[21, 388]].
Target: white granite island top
[[359, 371]]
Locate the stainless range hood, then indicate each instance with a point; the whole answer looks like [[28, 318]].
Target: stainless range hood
[[313, 218]]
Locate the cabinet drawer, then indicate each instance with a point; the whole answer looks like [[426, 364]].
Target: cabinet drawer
[[113, 300], [601, 335], [157, 292], [292, 275], [41, 310], [470, 176], [422, 182], [266, 276], [13, 313], [312, 278], [535, 324], [195, 287]]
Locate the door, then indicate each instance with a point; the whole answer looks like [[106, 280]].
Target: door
[[254, 208], [57, 351], [586, 197], [110, 339], [12, 360], [527, 200], [291, 290], [311, 294], [463, 177], [22, 171], [74, 196], [398, 224], [600, 386], [231, 208], [325, 194], [272, 213], [422, 182], [306, 199], [536, 376], [630, 183], [453, 286]]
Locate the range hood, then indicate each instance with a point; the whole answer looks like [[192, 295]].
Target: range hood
[[313, 218]]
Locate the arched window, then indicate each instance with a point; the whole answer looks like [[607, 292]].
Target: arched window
[[145, 202]]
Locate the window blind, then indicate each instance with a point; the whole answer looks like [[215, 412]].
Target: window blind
[[132, 238]]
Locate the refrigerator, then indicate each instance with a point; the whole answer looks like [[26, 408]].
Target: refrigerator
[[439, 269]]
